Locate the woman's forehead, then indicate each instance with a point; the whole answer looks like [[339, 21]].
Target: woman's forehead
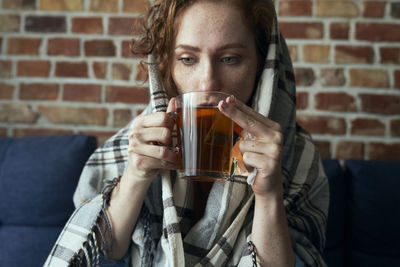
[[210, 20]]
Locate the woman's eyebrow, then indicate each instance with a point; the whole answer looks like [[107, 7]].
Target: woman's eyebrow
[[224, 47], [188, 47], [232, 45]]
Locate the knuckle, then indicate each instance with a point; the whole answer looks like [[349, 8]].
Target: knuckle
[[251, 123], [166, 135], [278, 137], [276, 149], [246, 156], [162, 152]]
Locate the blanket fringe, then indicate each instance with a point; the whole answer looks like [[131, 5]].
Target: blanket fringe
[[89, 254]]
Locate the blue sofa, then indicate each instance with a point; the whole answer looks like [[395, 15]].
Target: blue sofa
[[38, 176]]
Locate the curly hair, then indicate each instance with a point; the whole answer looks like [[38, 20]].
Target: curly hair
[[160, 27]]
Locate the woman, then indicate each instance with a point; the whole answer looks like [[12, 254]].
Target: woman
[[147, 217]]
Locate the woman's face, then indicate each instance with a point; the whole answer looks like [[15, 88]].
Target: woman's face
[[214, 51]]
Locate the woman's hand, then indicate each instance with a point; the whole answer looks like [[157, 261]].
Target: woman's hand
[[149, 140], [260, 147]]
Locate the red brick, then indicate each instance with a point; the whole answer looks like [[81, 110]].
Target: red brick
[[304, 76], [375, 78], [20, 132], [72, 69], [390, 55], [335, 9], [74, 115], [142, 73], [122, 117], [23, 46], [316, 53], [63, 47], [335, 102], [350, 150], [47, 24], [19, 4], [82, 92], [293, 51], [3, 131], [137, 6], [324, 148], [17, 113], [381, 151], [397, 79], [382, 32], [105, 5], [295, 8], [381, 104], [87, 25], [354, 54], [6, 91], [301, 30], [9, 23], [395, 128], [5, 69], [125, 26], [100, 69], [125, 94], [38, 91], [301, 100], [374, 9], [33, 68], [370, 127], [339, 30], [322, 124], [395, 10], [61, 5], [121, 71], [332, 77], [101, 136], [100, 48]]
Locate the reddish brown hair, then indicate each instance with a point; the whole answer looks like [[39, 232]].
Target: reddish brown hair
[[161, 29]]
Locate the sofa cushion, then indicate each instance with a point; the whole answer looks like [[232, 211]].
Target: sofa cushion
[[26, 246], [357, 258], [374, 200], [38, 176], [336, 215]]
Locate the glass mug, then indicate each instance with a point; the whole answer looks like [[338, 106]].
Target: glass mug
[[205, 137]]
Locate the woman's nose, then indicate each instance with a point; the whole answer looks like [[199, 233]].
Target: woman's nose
[[209, 78]]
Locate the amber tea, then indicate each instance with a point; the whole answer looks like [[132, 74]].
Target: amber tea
[[205, 137]]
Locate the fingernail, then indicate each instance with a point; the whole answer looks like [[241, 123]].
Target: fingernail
[[231, 99]]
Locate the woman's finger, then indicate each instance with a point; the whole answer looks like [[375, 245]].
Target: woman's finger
[[259, 161], [171, 105], [160, 135], [157, 119], [154, 151], [145, 163], [270, 150], [231, 100], [249, 121]]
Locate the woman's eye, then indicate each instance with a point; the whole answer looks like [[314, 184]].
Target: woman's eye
[[187, 60], [230, 60]]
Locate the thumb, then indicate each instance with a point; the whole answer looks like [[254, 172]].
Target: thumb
[[171, 105]]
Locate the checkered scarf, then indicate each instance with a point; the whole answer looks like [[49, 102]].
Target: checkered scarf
[[163, 235]]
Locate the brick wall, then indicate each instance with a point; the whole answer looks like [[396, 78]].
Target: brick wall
[[65, 67]]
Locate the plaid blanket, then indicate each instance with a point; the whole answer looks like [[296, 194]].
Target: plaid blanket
[[163, 235]]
